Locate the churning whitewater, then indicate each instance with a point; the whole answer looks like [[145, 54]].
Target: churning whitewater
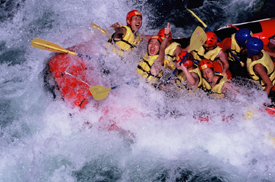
[[159, 136]]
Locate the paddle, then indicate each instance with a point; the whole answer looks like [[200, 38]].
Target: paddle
[[95, 26], [197, 39], [49, 46], [205, 26], [99, 92]]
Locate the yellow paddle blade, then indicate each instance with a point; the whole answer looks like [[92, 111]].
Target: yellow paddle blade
[[49, 46], [197, 39], [99, 92], [272, 137], [95, 26]]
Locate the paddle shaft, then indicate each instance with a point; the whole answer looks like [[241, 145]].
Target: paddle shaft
[[114, 87]]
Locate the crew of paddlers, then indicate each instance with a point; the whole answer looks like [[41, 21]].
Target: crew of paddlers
[[241, 55]]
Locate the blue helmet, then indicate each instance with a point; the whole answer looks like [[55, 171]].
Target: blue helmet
[[242, 35], [254, 46]]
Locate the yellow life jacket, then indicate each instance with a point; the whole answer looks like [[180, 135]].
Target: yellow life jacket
[[127, 43], [169, 64], [217, 89], [200, 53], [180, 74], [235, 49], [169, 51], [267, 63], [144, 67]]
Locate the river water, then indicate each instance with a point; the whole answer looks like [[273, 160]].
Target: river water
[[159, 136]]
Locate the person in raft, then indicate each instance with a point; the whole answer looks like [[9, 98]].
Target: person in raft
[[210, 50], [215, 84], [187, 71], [270, 48], [172, 49], [236, 45], [260, 66], [127, 37], [151, 64]]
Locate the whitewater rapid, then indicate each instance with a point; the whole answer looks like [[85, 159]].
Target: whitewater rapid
[[45, 139]]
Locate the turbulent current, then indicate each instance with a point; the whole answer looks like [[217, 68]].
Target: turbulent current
[[160, 136]]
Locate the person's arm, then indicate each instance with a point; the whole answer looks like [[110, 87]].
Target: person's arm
[[164, 44], [192, 78], [261, 72], [186, 48], [177, 51], [119, 31], [271, 54], [227, 87], [224, 61], [160, 60]]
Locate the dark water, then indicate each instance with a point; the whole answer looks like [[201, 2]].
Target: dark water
[[215, 13]]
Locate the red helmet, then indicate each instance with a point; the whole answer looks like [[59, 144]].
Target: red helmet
[[155, 37], [130, 15], [187, 62], [205, 63], [161, 34], [211, 40]]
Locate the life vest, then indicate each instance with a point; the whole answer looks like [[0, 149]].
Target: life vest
[[235, 49], [144, 67], [200, 53], [127, 43], [267, 63], [169, 51], [180, 74], [217, 89]]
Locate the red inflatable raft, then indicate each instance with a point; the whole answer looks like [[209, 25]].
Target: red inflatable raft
[[71, 77]]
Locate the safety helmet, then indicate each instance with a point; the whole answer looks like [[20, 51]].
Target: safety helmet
[[254, 46], [211, 40], [205, 63], [161, 34], [155, 37], [242, 35], [130, 15], [187, 62]]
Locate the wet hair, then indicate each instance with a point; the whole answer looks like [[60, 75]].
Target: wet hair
[[157, 39]]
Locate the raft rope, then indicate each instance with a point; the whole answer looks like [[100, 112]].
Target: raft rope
[[77, 78]]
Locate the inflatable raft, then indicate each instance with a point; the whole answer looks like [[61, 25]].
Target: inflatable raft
[[72, 78]]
